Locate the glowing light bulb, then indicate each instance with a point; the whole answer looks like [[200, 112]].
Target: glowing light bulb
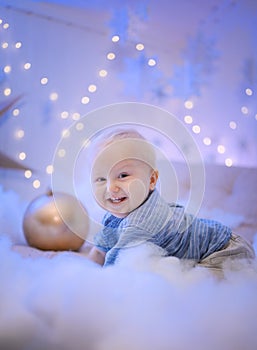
[[44, 81], [7, 92], [64, 115], [196, 129], [22, 155], [19, 134], [5, 45], [140, 47], [151, 62], [6, 26], [27, 66], [36, 184], [207, 141], [92, 88], [111, 56], [115, 38], [188, 119], [76, 116], [61, 152], [189, 104], [80, 126], [244, 110], [85, 100], [18, 45], [103, 73], [228, 162], [28, 174], [7, 69], [232, 125], [49, 169], [221, 149], [15, 112], [249, 91], [53, 96]]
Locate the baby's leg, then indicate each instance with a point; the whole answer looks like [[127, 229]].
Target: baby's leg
[[236, 249]]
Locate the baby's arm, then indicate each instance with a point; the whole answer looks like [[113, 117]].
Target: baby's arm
[[97, 255]]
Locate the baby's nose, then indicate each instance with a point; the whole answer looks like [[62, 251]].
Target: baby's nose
[[112, 186]]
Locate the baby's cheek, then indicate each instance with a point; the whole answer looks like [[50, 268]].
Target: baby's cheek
[[138, 192], [98, 194]]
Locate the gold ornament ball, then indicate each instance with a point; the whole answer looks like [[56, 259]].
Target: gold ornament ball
[[55, 222]]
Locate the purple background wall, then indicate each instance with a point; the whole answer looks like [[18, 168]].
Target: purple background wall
[[205, 54]]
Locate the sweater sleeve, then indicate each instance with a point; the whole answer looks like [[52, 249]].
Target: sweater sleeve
[[107, 238]]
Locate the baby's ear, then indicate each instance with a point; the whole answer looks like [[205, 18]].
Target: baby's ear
[[153, 179]]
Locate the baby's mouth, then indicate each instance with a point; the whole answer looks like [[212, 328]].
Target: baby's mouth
[[117, 200]]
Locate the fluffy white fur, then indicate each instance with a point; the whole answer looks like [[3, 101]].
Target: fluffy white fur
[[145, 302]]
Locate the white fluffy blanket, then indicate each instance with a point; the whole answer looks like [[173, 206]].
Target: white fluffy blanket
[[146, 302]]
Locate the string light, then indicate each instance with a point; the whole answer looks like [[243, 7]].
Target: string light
[[28, 174], [19, 134], [79, 126], [44, 81], [103, 73], [228, 162], [207, 141], [6, 26], [7, 69], [16, 112], [53, 96], [64, 115], [221, 149], [151, 62], [7, 91], [244, 110], [5, 45], [92, 88], [49, 169], [22, 155], [75, 116], [27, 65], [188, 104], [111, 56], [249, 91], [188, 119], [232, 125], [85, 100], [36, 184], [140, 47], [196, 129], [18, 45], [115, 38], [61, 153]]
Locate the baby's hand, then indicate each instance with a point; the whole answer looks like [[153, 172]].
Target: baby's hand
[[96, 255]]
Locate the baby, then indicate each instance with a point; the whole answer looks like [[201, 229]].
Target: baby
[[124, 178]]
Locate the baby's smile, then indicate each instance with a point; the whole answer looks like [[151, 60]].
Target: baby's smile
[[117, 199]]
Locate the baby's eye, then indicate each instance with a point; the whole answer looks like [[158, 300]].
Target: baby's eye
[[100, 179], [122, 175]]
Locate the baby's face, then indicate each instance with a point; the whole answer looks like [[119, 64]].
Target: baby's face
[[122, 187]]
